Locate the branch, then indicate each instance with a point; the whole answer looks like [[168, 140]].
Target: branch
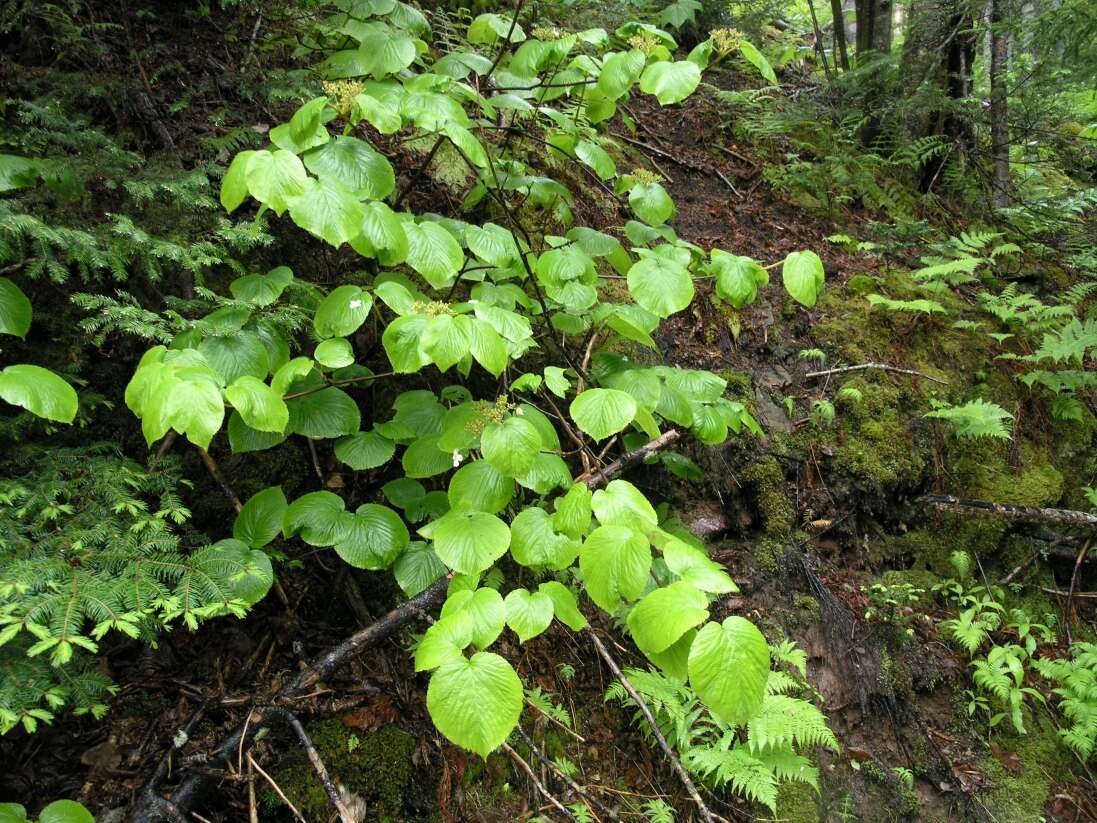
[[575, 787], [878, 367], [646, 711], [1004, 511], [599, 476], [517, 758], [314, 757]]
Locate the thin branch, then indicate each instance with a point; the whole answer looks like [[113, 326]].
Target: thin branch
[[575, 787], [517, 758], [314, 757], [626, 460], [1074, 585], [215, 473], [277, 789], [1004, 511], [683, 775], [877, 367]]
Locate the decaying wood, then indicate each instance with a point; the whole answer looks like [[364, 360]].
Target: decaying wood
[[153, 806], [1004, 511], [875, 367]]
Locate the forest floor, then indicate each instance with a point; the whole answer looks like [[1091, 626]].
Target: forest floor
[[895, 701]]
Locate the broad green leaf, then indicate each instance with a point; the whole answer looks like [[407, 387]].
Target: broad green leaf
[[433, 252], [651, 203], [479, 486], [423, 458], [304, 130], [15, 309], [758, 60], [382, 235], [39, 391], [602, 412], [493, 244], [417, 568], [276, 179], [420, 412], [260, 521], [619, 71], [622, 504], [373, 537], [674, 661], [235, 356], [660, 285], [328, 210], [193, 408], [401, 340], [476, 703], [803, 277], [387, 52], [243, 438], [549, 471], [65, 811], [329, 412], [446, 339], [573, 511], [16, 173], [444, 642], [556, 381], [490, 28], [536, 543], [664, 615], [318, 517], [234, 185], [615, 562], [670, 82], [365, 450], [335, 353], [486, 345], [728, 668], [486, 608], [528, 614], [597, 158], [260, 406], [694, 566], [737, 277], [262, 289], [354, 164], [564, 606], [470, 542], [510, 446]]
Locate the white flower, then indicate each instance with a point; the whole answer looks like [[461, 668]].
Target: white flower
[[355, 304], [457, 458]]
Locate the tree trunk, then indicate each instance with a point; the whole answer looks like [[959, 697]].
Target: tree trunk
[[999, 102], [839, 34]]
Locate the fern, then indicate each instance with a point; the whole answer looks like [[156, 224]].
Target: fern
[[920, 306], [976, 418]]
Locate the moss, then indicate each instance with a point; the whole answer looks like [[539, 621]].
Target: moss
[[797, 802], [740, 385], [861, 284], [919, 578], [932, 550], [375, 765], [777, 510], [1020, 797], [983, 473]]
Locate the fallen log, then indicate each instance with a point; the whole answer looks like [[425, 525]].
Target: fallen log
[[1004, 511], [153, 806]]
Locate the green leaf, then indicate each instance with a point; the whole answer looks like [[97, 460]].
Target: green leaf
[[276, 178], [556, 381], [602, 412], [15, 309], [487, 346], [237, 355], [597, 158], [446, 339], [670, 82], [374, 537], [423, 458], [329, 412], [615, 562], [17, 172], [433, 252], [573, 511], [486, 609], [318, 517], [260, 406], [737, 277], [243, 438], [335, 353], [328, 210], [549, 471], [536, 543], [479, 486], [234, 185], [417, 568], [660, 285], [355, 165], [304, 130], [382, 235], [803, 277], [693, 566], [758, 60], [476, 703], [651, 203], [674, 661], [401, 340], [510, 446], [664, 615], [65, 811], [493, 244], [622, 504], [728, 668], [260, 521], [470, 542], [563, 604], [365, 450], [262, 289], [619, 71], [191, 407], [490, 28], [444, 642], [528, 614]]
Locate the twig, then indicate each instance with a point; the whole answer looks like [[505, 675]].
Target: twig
[[619, 465], [215, 473], [315, 460], [727, 182], [1004, 511], [251, 41], [575, 787], [1077, 595], [314, 757], [277, 789], [1024, 564], [166, 443], [517, 758], [1073, 585], [646, 711], [879, 367], [253, 812]]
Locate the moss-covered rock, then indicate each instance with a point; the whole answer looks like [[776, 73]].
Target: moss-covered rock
[[798, 802], [1020, 796], [983, 473]]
